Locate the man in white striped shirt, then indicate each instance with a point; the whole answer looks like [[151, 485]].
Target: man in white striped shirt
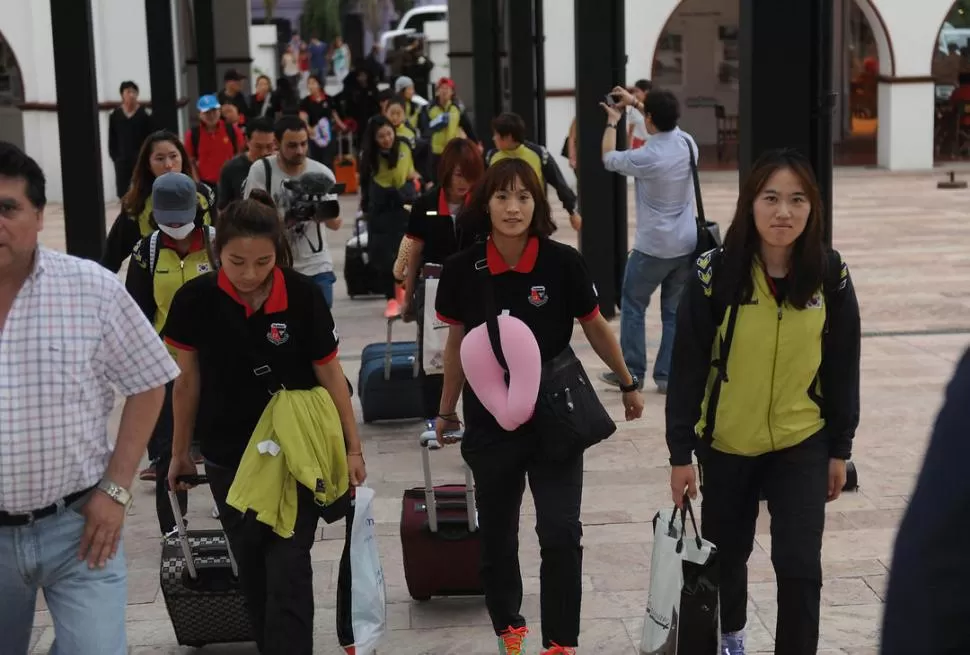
[[70, 337]]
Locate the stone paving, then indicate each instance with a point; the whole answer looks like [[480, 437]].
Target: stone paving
[[908, 247]]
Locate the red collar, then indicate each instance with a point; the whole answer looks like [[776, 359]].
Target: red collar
[[195, 245], [275, 303], [443, 208], [496, 264]]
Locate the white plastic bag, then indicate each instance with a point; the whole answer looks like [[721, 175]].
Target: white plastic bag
[[433, 360], [368, 595], [660, 623]]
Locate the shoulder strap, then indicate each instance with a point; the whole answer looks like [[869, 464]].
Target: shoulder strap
[[231, 133], [194, 134], [701, 218], [153, 252], [491, 314], [268, 174]]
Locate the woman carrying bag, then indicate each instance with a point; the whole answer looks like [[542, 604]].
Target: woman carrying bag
[[257, 348], [544, 286], [765, 387]]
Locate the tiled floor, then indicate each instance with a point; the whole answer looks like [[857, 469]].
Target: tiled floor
[[908, 247]]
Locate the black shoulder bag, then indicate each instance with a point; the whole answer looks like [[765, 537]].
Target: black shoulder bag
[[708, 232], [568, 416]]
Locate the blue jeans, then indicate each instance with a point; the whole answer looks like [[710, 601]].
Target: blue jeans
[[643, 275], [86, 605], [325, 282]]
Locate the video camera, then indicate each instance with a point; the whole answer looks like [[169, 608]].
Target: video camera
[[310, 197]]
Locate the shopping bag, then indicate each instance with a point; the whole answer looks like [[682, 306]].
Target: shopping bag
[[368, 595], [434, 333], [683, 614]]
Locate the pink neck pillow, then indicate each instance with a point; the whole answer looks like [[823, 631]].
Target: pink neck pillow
[[512, 404]]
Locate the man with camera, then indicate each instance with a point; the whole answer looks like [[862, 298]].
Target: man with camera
[[666, 232], [311, 253]]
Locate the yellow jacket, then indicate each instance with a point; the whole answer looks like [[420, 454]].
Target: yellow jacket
[[303, 429]]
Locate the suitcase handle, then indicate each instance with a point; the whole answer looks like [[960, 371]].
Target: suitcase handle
[[429, 441], [183, 534], [452, 529], [387, 351]]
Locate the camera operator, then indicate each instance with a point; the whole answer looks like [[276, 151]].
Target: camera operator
[[311, 253], [666, 230]]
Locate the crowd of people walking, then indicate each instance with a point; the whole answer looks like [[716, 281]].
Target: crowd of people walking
[[233, 278]]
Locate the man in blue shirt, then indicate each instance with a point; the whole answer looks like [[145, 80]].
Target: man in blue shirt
[[666, 233], [318, 58]]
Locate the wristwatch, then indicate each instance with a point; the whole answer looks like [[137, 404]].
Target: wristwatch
[[115, 492], [633, 386]]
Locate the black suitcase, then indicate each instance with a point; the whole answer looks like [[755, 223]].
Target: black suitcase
[[200, 585], [389, 385], [358, 272]]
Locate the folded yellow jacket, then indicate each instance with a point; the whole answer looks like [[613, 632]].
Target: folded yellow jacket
[[298, 440]]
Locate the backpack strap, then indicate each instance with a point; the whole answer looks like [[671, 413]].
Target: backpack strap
[[231, 133], [153, 251], [268, 174]]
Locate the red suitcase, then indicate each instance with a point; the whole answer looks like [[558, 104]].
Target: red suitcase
[[439, 535]]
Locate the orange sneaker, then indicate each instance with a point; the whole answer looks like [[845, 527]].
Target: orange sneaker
[[393, 309], [512, 641], [559, 650]]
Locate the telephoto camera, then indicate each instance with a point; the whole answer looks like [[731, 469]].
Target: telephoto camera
[[310, 197]]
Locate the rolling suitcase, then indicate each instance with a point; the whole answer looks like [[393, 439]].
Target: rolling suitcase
[[345, 165], [358, 271], [200, 584], [388, 385], [439, 535]]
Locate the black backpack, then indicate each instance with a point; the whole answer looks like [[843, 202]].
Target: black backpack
[[230, 132]]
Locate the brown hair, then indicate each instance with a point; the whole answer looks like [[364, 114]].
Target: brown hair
[[460, 153], [142, 179], [742, 243], [502, 177], [256, 216]]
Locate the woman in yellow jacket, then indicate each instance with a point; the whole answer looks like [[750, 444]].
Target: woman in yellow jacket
[[161, 153], [389, 165], [442, 121], [764, 386], [255, 326], [178, 251]]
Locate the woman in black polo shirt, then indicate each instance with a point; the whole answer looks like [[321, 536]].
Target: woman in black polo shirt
[[546, 285], [256, 309], [434, 237]]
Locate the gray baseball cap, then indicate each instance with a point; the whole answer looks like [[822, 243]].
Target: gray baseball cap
[[174, 199], [402, 83]]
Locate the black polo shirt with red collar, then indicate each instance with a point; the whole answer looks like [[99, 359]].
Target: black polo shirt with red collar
[[548, 289], [291, 332], [432, 224]]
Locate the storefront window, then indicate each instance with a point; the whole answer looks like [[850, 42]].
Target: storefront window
[[11, 89], [728, 57], [668, 63], [863, 60]]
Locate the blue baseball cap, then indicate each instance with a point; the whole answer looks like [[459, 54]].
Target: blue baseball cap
[[208, 103], [174, 199]]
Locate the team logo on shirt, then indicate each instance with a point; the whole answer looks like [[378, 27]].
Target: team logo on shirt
[[815, 302], [537, 296], [278, 334], [204, 267]]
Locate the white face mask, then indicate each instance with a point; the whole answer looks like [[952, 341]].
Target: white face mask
[[178, 233]]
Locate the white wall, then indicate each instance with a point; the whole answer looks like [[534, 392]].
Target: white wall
[[560, 70]]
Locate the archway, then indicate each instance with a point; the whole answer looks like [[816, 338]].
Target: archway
[[11, 96], [697, 56], [951, 75]]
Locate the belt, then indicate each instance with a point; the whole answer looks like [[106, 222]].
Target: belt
[[9, 519]]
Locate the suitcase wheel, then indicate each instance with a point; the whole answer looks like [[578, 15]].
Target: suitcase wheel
[[421, 599]]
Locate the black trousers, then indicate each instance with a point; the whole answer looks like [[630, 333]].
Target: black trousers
[[160, 452], [795, 484], [500, 462], [276, 574], [123, 171]]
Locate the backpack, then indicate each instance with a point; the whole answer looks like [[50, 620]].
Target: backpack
[[836, 279], [230, 132]]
